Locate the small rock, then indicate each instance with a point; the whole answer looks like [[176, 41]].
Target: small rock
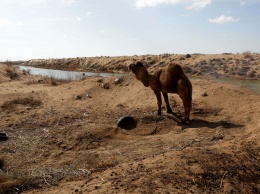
[[105, 85], [120, 105], [88, 95], [100, 80], [117, 80], [217, 137], [204, 94], [78, 97]]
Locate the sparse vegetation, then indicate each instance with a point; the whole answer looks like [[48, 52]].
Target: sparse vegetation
[[9, 63], [247, 54], [12, 72], [21, 101], [54, 82], [65, 138]]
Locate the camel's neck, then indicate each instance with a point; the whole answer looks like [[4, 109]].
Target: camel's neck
[[152, 81], [144, 78]]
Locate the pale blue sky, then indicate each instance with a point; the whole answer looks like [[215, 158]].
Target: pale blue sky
[[32, 29]]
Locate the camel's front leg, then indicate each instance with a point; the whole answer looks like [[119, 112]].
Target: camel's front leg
[[187, 108], [165, 96], [159, 101]]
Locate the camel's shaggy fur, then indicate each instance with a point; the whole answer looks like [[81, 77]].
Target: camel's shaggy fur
[[170, 79]]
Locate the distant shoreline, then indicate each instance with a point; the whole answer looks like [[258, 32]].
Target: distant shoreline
[[226, 65]]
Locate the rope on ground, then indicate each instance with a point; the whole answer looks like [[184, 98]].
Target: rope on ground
[[151, 133]]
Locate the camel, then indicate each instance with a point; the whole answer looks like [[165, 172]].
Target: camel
[[170, 79]]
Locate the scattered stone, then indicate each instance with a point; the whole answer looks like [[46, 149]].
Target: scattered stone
[[120, 106], [78, 97], [105, 85], [100, 80], [88, 96], [117, 80], [217, 137], [204, 94]]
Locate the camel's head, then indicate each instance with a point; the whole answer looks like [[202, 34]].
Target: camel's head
[[140, 72], [137, 67]]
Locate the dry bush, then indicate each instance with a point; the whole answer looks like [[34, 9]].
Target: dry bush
[[247, 54], [54, 82], [9, 187], [96, 162], [7, 183], [9, 63], [27, 179], [12, 72], [23, 101], [251, 74], [18, 182], [47, 80]]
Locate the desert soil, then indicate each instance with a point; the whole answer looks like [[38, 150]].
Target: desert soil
[[63, 135]]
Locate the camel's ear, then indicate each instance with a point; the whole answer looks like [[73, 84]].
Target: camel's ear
[[139, 64]]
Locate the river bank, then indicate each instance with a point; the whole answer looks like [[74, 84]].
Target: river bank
[[237, 66]]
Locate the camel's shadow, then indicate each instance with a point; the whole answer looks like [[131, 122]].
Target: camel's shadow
[[199, 123]]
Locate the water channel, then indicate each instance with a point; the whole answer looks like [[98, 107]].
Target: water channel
[[74, 75], [65, 75]]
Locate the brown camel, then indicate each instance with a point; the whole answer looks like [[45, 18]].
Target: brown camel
[[170, 79]]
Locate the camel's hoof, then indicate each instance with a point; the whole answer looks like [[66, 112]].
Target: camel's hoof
[[169, 112], [185, 122]]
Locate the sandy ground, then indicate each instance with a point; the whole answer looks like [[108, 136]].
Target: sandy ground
[[63, 137]]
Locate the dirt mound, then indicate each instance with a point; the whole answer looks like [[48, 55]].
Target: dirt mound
[[63, 138], [246, 65]]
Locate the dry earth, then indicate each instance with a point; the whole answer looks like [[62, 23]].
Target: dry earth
[[63, 136]]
